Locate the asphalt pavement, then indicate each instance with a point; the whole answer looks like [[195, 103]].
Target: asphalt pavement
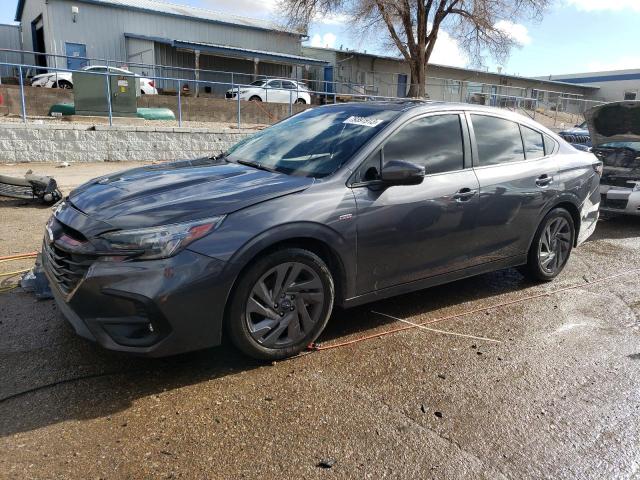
[[505, 379]]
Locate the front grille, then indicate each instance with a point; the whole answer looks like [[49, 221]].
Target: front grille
[[230, 95], [617, 204], [66, 268]]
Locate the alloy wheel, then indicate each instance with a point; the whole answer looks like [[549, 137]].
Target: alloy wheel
[[284, 305], [555, 245]]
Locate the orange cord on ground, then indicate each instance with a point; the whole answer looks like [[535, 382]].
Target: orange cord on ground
[[18, 256], [317, 347]]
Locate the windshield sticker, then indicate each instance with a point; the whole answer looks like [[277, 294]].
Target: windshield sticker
[[364, 121]]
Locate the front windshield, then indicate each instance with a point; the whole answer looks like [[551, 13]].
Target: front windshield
[[258, 83], [314, 143]]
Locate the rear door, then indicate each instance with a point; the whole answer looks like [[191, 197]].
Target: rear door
[[517, 181], [406, 233]]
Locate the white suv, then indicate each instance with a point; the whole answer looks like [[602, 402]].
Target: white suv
[[273, 91]]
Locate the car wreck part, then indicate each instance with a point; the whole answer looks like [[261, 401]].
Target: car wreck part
[[30, 187]]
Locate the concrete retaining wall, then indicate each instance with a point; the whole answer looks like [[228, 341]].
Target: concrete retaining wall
[[78, 143]]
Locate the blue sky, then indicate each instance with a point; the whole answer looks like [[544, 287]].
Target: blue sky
[[574, 36]]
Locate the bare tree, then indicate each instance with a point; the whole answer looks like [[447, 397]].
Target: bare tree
[[413, 25]]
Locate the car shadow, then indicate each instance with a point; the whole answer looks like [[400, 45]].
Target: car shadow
[[19, 202], [68, 378]]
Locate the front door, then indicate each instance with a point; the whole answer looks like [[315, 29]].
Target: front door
[[406, 233], [76, 56]]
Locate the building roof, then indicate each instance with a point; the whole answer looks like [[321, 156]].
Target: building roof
[[183, 11], [592, 77], [462, 69], [225, 50]]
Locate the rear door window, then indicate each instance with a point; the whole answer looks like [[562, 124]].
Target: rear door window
[[533, 143], [498, 140], [434, 142]]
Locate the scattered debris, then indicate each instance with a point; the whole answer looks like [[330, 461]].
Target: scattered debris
[[423, 408], [438, 414], [63, 165], [30, 187], [326, 463], [440, 375], [36, 281]]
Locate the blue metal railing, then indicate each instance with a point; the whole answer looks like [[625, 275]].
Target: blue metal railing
[[230, 86]]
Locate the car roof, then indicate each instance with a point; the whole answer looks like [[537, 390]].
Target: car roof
[[412, 107]]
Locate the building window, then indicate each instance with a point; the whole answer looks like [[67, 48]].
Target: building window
[[630, 95]]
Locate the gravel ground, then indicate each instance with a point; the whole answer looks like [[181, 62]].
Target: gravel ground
[[546, 388]]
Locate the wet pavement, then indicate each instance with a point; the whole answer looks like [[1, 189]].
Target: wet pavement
[[541, 387]]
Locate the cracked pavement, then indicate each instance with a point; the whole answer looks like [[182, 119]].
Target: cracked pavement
[[556, 397]]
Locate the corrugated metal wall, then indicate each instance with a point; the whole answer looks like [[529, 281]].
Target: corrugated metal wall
[[214, 68], [9, 38], [102, 29]]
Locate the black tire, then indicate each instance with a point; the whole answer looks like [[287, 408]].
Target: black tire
[[301, 101], [241, 323], [540, 266], [255, 98], [64, 85]]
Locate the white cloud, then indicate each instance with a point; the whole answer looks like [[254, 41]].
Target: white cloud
[[339, 19], [594, 5], [620, 63], [326, 40], [448, 52], [516, 31]]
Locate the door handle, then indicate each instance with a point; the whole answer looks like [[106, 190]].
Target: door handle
[[544, 180], [464, 194]]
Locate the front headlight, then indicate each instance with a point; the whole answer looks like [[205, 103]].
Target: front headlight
[[160, 242]]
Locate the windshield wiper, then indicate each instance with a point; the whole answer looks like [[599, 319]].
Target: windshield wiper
[[259, 166]]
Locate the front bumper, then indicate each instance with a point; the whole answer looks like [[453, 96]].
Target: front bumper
[[153, 308], [620, 200]]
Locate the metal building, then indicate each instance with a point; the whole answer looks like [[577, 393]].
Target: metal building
[[613, 85], [150, 32], [10, 39], [371, 74]]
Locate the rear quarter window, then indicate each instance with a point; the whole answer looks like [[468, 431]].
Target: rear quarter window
[[533, 143]]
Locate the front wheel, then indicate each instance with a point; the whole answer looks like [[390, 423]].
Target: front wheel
[[281, 304], [551, 246], [301, 101], [255, 98]]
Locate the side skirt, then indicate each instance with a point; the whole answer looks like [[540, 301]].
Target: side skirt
[[435, 280]]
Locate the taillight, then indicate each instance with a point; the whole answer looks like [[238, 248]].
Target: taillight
[[152, 83]]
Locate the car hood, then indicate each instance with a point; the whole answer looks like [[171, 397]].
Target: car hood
[[179, 192], [614, 122]]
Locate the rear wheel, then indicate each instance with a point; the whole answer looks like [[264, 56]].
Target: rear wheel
[[281, 304], [551, 246], [63, 84], [255, 98], [301, 101]]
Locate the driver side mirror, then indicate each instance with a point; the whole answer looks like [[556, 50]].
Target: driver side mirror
[[399, 172]]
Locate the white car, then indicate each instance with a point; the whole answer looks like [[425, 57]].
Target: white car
[[65, 79], [277, 90]]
